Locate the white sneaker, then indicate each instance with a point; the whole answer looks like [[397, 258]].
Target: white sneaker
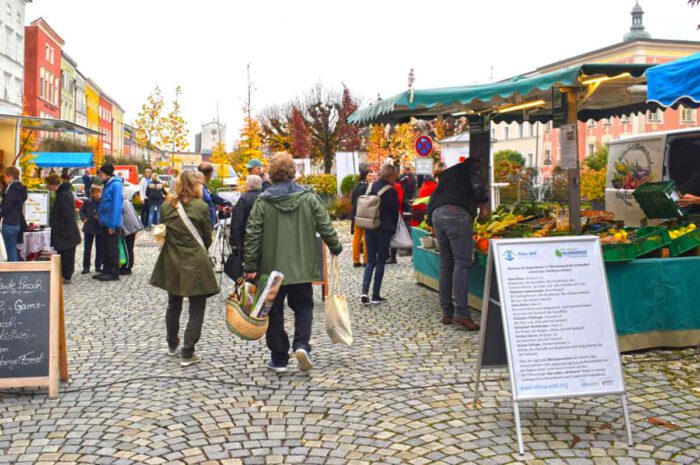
[[277, 369], [185, 362], [364, 299], [304, 359]]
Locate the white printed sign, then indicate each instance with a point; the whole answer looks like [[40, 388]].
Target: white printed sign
[[36, 208], [568, 147], [557, 316]]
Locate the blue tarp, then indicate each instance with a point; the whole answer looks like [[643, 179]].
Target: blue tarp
[[63, 159], [676, 82]]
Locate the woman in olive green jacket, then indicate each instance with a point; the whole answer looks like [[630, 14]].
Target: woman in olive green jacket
[[183, 268]]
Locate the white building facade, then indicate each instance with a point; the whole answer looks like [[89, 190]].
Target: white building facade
[[12, 55], [211, 134]]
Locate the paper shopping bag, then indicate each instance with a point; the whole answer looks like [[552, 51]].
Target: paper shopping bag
[[337, 312]]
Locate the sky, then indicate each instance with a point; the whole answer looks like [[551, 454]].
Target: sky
[[129, 46]]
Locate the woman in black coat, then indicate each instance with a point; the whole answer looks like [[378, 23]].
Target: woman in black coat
[[239, 219], [65, 235]]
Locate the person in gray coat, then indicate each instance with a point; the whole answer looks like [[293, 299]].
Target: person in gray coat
[[131, 225]]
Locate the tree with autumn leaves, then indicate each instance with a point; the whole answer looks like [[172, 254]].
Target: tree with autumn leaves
[[250, 145], [153, 128]]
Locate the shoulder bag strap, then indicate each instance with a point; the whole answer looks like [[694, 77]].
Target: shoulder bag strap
[[185, 219], [384, 189]]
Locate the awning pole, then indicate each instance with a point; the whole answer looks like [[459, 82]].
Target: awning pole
[[574, 174]]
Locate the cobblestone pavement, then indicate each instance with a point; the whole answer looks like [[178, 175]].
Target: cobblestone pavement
[[128, 402]]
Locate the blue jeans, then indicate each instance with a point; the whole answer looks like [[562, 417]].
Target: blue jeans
[[154, 212], [10, 233], [377, 243], [453, 231]]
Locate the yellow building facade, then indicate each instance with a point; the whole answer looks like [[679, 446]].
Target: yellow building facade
[[117, 130], [92, 97]]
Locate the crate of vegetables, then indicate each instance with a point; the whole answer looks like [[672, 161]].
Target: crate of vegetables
[[650, 239], [622, 252], [617, 246], [659, 200], [684, 238]]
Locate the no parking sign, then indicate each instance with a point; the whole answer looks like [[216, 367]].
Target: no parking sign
[[424, 146]]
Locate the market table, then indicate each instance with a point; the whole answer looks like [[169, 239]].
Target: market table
[[654, 300], [36, 244]]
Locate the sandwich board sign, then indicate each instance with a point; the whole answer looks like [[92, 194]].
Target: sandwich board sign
[[557, 323], [32, 336]]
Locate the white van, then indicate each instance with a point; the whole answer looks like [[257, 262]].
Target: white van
[[651, 157]]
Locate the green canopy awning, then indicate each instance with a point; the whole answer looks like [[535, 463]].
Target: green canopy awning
[[611, 97]]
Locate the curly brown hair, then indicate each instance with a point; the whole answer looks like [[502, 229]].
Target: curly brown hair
[[282, 168]]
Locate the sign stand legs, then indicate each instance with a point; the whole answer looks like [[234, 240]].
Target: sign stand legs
[[486, 297], [62, 355], [628, 425], [518, 428]]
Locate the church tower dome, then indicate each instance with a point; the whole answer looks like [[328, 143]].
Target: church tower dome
[[637, 31]]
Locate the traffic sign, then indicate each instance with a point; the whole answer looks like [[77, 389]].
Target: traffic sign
[[424, 146]]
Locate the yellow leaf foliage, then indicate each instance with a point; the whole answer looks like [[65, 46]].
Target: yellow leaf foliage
[[377, 145], [250, 146]]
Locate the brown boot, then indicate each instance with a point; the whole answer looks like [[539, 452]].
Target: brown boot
[[466, 323], [446, 319]]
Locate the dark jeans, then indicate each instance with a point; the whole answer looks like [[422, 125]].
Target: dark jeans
[[67, 262], [377, 252], [10, 234], [110, 252], [194, 325], [88, 240], [453, 231], [129, 241], [145, 209], [300, 298]]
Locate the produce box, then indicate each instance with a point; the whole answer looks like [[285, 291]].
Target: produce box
[[624, 252], [685, 243], [659, 200], [650, 239]]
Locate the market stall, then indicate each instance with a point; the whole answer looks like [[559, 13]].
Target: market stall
[[651, 291]]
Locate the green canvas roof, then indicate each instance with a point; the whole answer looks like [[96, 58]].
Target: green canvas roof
[[610, 98]]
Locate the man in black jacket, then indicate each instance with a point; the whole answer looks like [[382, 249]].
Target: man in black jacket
[[451, 211], [65, 235], [11, 212]]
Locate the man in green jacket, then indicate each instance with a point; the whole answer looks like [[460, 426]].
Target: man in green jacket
[[281, 236]]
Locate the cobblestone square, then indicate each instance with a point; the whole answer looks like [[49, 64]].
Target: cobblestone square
[[400, 395]]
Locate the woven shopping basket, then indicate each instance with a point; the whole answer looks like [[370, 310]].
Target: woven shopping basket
[[240, 323]]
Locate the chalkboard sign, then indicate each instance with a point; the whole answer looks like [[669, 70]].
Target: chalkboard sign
[[24, 324], [29, 324]]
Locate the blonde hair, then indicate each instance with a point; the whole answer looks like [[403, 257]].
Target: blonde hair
[[187, 187], [282, 168]]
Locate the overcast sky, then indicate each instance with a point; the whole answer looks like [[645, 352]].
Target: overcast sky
[[130, 46]]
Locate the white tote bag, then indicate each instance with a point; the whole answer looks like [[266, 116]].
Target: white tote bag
[[337, 312], [3, 251], [401, 238]]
